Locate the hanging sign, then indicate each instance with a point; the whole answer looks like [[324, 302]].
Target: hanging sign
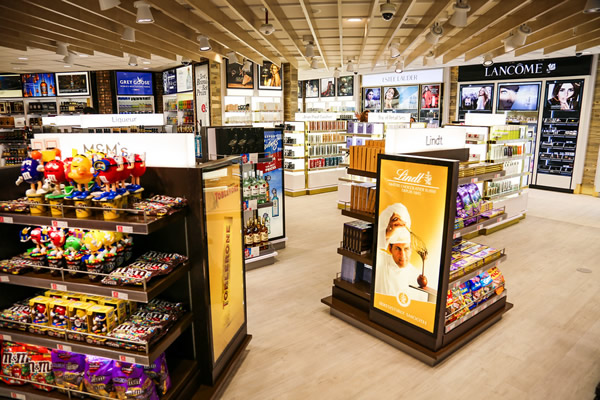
[[404, 78], [202, 96]]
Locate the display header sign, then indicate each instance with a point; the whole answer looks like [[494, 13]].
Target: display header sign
[[412, 221], [547, 68], [316, 116], [389, 117], [404, 78], [169, 82], [406, 140], [117, 120], [134, 83]]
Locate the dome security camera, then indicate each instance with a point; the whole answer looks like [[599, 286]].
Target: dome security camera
[[267, 29], [387, 10]]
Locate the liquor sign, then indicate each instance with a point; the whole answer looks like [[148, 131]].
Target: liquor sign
[[38, 85], [404, 78], [202, 95], [184, 79], [273, 172], [547, 68], [411, 227], [73, 83], [10, 85], [222, 198], [134, 83], [169, 82], [118, 120]]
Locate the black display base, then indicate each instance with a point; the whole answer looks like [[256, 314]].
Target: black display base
[[552, 189], [360, 319], [206, 392]]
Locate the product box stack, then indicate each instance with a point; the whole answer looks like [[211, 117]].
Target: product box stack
[[362, 198], [364, 158], [358, 237], [327, 125]]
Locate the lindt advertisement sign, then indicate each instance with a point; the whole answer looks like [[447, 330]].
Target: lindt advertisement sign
[[547, 68]]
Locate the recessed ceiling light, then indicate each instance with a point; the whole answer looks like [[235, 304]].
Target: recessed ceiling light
[[23, 58], [67, 66], [354, 19], [146, 67], [146, 62], [83, 55]]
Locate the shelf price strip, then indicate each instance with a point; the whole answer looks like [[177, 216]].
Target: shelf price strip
[[63, 347], [59, 224], [120, 295], [124, 229], [6, 220], [19, 396], [57, 286]]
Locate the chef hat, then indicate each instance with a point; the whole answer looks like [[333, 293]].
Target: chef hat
[[399, 235], [384, 219]]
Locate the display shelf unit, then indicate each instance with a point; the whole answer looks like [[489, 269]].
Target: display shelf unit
[[460, 279], [474, 312], [363, 258], [481, 177], [359, 215], [478, 226]]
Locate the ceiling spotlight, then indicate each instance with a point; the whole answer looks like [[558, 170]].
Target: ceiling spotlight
[[310, 50], [128, 34], [459, 18], [23, 58], [146, 62], [233, 58], [435, 33], [488, 61], [247, 66], [521, 35], [204, 43], [133, 61], [509, 43], [108, 4], [429, 59], [144, 15], [592, 6], [336, 72], [267, 28], [354, 19], [61, 49], [350, 66], [394, 50], [399, 67], [69, 59], [314, 64]]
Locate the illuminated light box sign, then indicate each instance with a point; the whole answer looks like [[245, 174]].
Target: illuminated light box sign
[[162, 149], [117, 120], [38, 85], [406, 140], [72, 83], [10, 85], [404, 78], [169, 82], [185, 82], [134, 83]]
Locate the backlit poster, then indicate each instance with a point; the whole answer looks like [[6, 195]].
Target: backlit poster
[[237, 78], [72, 83], [10, 85], [184, 79], [225, 255], [134, 83], [169, 82], [270, 76], [518, 96], [408, 97], [410, 255], [327, 87], [202, 99], [273, 172], [312, 88], [430, 96], [564, 95], [38, 85], [372, 99]]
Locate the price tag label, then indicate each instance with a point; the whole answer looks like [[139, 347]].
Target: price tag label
[[124, 229], [60, 224], [473, 180], [120, 295], [6, 220], [253, 158], [479, 227], [7, 338], [4, 278], [499, 219], [252, 204], [456, 235], [19, 396], [126, 359], [497, 176], [56, 286], [63, 347]]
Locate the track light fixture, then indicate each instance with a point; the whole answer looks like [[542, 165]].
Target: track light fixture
[[233, 58], [204, 43], [133, 61], [434, 34], [267, 28], [350, 66], [108, 4], [429, 59], [247, 66], [61, 49], [488, 61], [461, 11], [128, 34], [336, 72], [399, 66], [394, 50], [592, 6], [521, 35], [69, 59], [144, 15], [309, 52], [314, 64]]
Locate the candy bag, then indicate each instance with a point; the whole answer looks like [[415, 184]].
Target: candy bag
[[159, 373], [131, 382], [41, 371], [475, 286], [68, 370], [15, 363], [497, 280], [486, 285], [98, 376]]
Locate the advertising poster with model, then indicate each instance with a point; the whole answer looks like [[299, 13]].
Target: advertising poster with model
[[430, 96], [273, 173], [327, 87], [410, 255], [478, 98], [270, 76], [518, 96], [237, 78], [564, 95], [312, 88], [372, 99]]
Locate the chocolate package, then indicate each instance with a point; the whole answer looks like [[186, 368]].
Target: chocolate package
[[97, 378], [16, 363], [41, 370], [475, 286], [16, 315], [132, 383], [159, 373], [68, 369]]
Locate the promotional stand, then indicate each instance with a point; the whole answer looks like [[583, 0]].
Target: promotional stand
[[415, 204], [205, 345]]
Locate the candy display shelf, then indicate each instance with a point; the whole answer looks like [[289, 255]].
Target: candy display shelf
[[478, 226], [139, 224], [474, 312], [359, 215], [481, 178], [458, 280], [144, 358], [362, 173], [363, 258], [83, 285]]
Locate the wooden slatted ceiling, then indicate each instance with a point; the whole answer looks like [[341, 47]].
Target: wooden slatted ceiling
[[235, 25]]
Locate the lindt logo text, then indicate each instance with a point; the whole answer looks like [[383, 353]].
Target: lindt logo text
[[403, 175]]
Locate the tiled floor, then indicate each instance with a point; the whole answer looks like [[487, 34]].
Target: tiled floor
[[547, 347]]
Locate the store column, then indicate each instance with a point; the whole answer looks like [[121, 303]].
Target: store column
[[453, 95], [105, 101], [591, 180], [216, 96], [290, 92]]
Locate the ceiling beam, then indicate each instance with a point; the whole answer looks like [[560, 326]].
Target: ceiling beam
[[548, 11], [216, 17], [574, 41], [483, 22], [449, 30], [38, 39], [313, 29], [587, 45], [28, 43], [399, 18], [276, 11], [559, 35], [239, 8], [372, 9], [22, 46]]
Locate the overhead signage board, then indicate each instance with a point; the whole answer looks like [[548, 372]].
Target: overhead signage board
[[404, 78], [134, 83], [406, 140]]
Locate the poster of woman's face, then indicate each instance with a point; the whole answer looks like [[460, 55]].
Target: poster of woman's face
[[372, 99], [430, 96], [237, 78], [345, 86], [476, 97], [408, 98], [270, 76], [564, 95], [328, 87], [312, 88], [390, 98]]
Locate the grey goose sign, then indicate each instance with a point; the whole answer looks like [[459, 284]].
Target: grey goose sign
[[531, 69]]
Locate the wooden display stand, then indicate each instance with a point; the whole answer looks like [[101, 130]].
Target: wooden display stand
[[353, 302]]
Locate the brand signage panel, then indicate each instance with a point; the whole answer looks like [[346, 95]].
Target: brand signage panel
[[404, 78], [115, 120], [405, 140], [389, 117], [133, 83], [202, 95], [547, 68]]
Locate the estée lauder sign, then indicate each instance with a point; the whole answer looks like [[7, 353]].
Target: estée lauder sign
[[548, 68], [404, 78]]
